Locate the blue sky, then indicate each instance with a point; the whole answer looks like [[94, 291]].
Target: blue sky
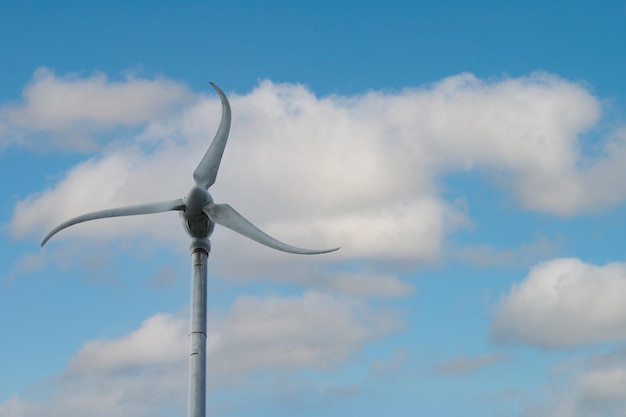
[[467, 157]]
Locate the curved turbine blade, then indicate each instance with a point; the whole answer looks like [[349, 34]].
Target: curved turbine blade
[[227, 216], [118, 212], [206, 172]]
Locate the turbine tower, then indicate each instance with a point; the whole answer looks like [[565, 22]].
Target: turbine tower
[[199, 215]]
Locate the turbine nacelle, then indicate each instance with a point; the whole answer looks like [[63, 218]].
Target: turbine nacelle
[[195, 221], [196, 200]]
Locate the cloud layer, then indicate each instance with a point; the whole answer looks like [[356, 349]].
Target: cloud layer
[[144, 373], [366, 172], [363, 172]]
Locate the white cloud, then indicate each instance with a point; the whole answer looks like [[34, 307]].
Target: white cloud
[[71, 107], [145, 372], [564, 303], [159, 340]]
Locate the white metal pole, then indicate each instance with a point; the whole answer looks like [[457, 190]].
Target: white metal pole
[[197, 337]]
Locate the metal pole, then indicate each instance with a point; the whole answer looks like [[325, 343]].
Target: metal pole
[[200, 249]]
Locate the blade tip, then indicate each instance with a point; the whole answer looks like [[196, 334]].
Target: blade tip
[[219, 91], [46, 238], [318, 251]]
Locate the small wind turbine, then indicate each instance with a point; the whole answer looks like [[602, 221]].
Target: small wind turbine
[[199, 215]]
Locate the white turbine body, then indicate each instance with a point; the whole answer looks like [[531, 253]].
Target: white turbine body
[[199, 215]]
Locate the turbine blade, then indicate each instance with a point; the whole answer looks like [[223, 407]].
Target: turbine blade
[[227, 216], [206, 172], [118, 212]]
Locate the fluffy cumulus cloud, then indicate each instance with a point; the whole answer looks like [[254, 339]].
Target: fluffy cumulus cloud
[[144, 372], [362, 171], [159, 340], [71, 107], [564, 303]]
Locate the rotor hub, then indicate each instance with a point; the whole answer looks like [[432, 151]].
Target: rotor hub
[[195, 221]]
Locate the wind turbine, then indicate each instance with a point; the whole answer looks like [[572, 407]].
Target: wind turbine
[[199, 215]]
